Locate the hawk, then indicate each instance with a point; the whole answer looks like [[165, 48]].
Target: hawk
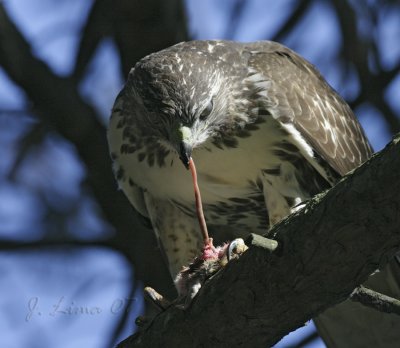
[[266, 130]]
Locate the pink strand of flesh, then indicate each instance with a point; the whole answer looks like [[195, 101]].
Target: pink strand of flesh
[[199, 205]]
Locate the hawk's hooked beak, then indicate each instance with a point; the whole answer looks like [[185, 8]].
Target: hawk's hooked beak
[[185, 147], [185, 152]]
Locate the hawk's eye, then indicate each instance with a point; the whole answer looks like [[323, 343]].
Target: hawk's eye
[[207, 110]]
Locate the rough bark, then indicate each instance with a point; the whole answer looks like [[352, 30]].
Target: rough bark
[[325, 251], [376, 300]]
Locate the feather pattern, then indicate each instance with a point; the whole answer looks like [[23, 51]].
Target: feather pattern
[[276, 134]]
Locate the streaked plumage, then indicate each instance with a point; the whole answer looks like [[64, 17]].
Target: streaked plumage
[[267, 133], [277, 134]]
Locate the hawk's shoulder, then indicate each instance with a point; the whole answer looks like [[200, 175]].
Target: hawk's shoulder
[[298, 95]]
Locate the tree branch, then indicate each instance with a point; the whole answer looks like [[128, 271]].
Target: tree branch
[[376, 300], [324, 251], [358, 50], [137, 27]]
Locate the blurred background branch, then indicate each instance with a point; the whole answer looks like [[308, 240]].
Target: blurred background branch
[[57, 103], [57, 190]]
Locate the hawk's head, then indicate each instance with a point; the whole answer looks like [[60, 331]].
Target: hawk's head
[[184, 97]]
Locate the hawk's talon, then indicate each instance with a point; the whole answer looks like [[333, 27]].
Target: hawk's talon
[[191, 278]]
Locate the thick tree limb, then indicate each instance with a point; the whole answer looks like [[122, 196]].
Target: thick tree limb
[[325, 251]]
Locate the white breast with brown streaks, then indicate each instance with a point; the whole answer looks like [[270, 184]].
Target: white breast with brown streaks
[[234, 176]]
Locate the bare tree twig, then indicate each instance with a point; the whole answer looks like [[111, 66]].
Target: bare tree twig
[[33, 138], [376, 300], [97, 27]]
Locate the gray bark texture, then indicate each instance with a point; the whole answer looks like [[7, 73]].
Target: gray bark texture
[[325, 251]]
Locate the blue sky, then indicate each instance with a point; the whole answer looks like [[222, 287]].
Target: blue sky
[[82, 287]]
